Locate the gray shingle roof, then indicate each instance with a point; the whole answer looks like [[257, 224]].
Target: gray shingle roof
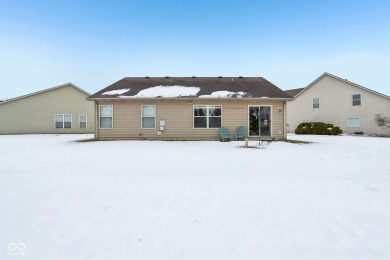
[[241, 87], [293, 92]]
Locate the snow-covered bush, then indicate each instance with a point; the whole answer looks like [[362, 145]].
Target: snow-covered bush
[[317, 128]]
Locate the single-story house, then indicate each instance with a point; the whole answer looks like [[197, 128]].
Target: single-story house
[[59, 110], [189, 108], [331, 99]]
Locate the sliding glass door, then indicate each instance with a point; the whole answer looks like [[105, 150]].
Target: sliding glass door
[[260, 121]]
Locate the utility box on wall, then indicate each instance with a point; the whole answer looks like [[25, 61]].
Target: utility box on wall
[[162, 124]]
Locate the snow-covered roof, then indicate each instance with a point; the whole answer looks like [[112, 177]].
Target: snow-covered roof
[[167, 92], [224, 94], [191, 87], [116, 92]]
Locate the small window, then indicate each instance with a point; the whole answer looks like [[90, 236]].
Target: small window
[[215, 116], [105, 116], [356, 100], [59, 119], [207, 116], [316, 103], [67, 121], [63, 121], [148, 116], [83, 121], [353, 122], [200, 116]]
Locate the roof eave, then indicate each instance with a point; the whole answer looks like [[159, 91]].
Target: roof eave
[[43, 91], [344, 80], [184, 98]]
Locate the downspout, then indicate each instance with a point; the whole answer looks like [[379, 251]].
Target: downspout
[[96, 120], [285, 119]]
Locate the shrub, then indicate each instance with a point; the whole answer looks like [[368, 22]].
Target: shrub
[[317, 128]]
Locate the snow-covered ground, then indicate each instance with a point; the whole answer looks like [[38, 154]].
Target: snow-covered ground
[[62, 199]]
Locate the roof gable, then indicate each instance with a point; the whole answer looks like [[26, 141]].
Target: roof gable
[[191, 87], [45, 90], [343, 80]]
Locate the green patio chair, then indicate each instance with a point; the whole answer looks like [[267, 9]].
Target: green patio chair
[[224, 133], [241, 132]]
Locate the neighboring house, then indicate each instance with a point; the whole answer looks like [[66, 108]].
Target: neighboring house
[[57, 110], [189, 108], [331, 99]]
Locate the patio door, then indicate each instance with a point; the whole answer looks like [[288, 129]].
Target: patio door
[[259, 121]]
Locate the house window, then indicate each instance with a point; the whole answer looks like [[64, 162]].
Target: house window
[[356, 100], [353, 122], [316, 103], [83, 121], [207, 116], [148, 116], [63, 121], [105, 116]]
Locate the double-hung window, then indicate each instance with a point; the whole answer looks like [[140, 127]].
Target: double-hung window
[[316, 103], [83, 121], [356, 100], [149, 117], [63, 121], [105, 116], [207, 116]]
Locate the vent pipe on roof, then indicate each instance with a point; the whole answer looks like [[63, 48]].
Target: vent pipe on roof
[[232, 79]]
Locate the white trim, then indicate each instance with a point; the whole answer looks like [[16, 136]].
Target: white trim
[[358, 118], [63, 121], [86, 121], [271, 117], [155, 116], [207, 116], [112, 117]]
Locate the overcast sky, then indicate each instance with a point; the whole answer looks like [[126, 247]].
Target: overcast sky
[[95, 43]]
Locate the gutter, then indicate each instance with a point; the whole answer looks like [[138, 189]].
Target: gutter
[[186, 98]]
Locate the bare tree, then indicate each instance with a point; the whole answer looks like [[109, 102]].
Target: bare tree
[[382, 121]]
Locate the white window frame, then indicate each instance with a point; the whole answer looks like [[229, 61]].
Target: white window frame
[[86, 122], [155, 116], [358, 99], [319, 102], [63, 121], [112, 117], [207, 116], [348, 125]]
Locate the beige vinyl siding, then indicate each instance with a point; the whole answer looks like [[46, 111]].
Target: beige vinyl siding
[[336, 106], [35, 114], [178, 115]]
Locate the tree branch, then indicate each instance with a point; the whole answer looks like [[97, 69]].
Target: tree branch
[[382, 121]]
